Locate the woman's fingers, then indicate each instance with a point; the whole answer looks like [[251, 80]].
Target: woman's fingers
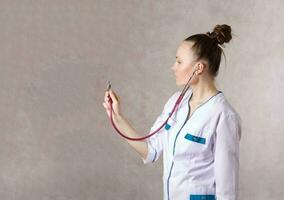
[[107, 109], [106, 96], [117, 97], [113, 97], [107, 101], [104, 104], [111, 94]]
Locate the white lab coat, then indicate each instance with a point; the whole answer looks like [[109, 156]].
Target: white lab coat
[[201, 158]]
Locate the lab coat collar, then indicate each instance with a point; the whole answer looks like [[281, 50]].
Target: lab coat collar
[[188, 95]]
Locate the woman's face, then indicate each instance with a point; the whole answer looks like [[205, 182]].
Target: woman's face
[[184, 63]]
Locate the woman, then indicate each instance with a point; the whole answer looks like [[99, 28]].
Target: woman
[[200, 143]]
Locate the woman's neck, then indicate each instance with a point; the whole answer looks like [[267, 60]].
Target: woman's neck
[[203, 91]]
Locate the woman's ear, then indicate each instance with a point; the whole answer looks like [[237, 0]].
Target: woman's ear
[[199, 67]]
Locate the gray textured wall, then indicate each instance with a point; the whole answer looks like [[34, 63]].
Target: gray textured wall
[[55, 59]]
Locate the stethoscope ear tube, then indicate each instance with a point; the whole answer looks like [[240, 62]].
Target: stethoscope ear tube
[[186, 87]]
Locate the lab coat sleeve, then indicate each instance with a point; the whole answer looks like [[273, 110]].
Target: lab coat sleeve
[[226, 157], [155, 142]]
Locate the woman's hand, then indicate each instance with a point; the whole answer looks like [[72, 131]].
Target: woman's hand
[[111, 96]]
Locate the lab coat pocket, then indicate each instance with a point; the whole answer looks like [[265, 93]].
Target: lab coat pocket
[[194, 138], [202, 197], [197, 142]]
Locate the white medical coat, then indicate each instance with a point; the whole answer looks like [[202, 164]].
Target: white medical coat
[[201, 155]]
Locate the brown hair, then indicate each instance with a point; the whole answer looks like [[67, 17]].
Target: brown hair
[[206, 46]]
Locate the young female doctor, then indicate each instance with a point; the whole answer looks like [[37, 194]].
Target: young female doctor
[[200, 142]]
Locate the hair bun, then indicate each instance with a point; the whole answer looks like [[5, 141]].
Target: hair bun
[[221, 34]]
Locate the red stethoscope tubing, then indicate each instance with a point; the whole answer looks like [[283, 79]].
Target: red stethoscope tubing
[[154, 132]]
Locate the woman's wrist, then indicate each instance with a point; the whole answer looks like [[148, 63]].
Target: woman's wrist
[[119, 118]]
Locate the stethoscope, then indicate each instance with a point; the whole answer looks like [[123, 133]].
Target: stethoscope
[[186, 87]]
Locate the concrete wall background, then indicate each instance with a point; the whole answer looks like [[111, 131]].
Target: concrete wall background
[[56, 57]]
